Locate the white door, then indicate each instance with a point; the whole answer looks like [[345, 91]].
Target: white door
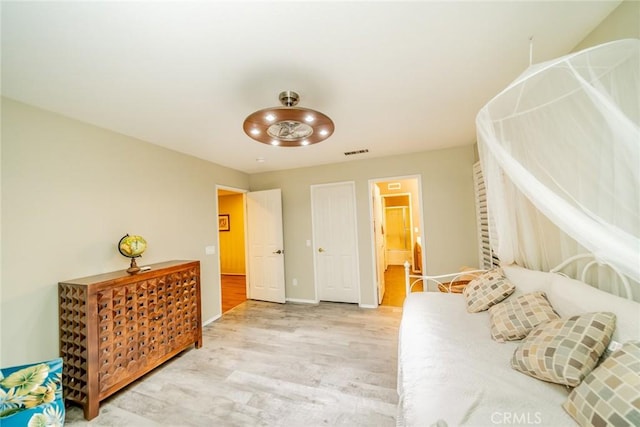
[[265, 246], [335, 242], [378, 233]]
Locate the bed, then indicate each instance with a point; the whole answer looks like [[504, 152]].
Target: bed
[[451, 372], [558, 152]]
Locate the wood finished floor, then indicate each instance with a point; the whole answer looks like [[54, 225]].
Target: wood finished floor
[[265, 364], [234, 291], [395, 286]]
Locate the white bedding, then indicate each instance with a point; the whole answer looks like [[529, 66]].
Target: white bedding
[[479, 391], [450, 371]]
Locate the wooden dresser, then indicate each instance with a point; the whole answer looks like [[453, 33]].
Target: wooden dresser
[[116, 327]]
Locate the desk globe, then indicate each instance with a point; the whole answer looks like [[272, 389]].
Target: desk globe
[[132, 247]]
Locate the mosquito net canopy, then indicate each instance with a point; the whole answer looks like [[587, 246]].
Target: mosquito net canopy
[[560, 154]]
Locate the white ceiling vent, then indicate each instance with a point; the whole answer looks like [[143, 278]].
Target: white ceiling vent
[[394, 186], [351, 153]]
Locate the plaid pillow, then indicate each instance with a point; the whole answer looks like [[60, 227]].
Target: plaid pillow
[[564, 351], [610, 394], [487, 290], [515, 318]]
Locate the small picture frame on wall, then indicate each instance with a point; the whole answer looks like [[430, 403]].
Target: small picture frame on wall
[[223, 222]]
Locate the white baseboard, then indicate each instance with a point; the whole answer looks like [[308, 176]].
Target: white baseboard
[[211, 320], [301, 301], [367, 306], [309, 301]]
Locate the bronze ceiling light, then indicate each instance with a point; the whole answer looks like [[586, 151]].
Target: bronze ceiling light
[[288, 126]]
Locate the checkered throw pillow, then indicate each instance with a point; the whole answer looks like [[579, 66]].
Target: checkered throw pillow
[[610, 394], [564, 351], [487, 290], [515, 318]]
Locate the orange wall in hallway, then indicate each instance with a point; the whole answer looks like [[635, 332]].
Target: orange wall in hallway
[[232, 250]]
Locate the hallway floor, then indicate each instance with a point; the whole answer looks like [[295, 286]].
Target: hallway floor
[[234, 291], [395, 287]]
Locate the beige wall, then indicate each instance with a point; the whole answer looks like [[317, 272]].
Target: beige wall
[[232, 249], [448, 209], [69, 192], [622, 23]]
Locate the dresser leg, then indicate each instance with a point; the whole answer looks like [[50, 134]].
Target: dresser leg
[[91, 409]]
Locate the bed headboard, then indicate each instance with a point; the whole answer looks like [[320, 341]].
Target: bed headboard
[[591, 261], [570, 297], [446, 279]]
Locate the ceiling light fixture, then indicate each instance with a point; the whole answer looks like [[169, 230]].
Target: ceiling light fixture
[[288, 126]]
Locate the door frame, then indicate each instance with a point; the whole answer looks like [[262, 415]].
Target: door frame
[[379, 244], [217, 212], [374, 265], [315, 243]]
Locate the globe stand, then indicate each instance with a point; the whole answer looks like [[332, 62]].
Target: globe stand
[[132, 247], [133, 269]]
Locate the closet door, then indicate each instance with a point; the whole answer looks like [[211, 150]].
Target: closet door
[[335, 242]]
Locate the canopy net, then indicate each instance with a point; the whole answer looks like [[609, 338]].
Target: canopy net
[[560, 154]]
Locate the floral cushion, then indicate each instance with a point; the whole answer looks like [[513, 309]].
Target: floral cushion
[[515, 318], [487, 290], [31, 395], [610, 394], [564, 351]]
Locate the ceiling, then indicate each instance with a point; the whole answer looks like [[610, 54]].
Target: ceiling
[[395, 77]]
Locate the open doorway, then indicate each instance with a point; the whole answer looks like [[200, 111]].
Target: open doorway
[[396, 218], [231, 226]]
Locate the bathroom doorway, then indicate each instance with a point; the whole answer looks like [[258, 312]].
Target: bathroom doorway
[[396, 219]]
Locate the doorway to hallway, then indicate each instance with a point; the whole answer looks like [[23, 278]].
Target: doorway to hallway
[[250, 239], [396, 219], [231, 221]]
